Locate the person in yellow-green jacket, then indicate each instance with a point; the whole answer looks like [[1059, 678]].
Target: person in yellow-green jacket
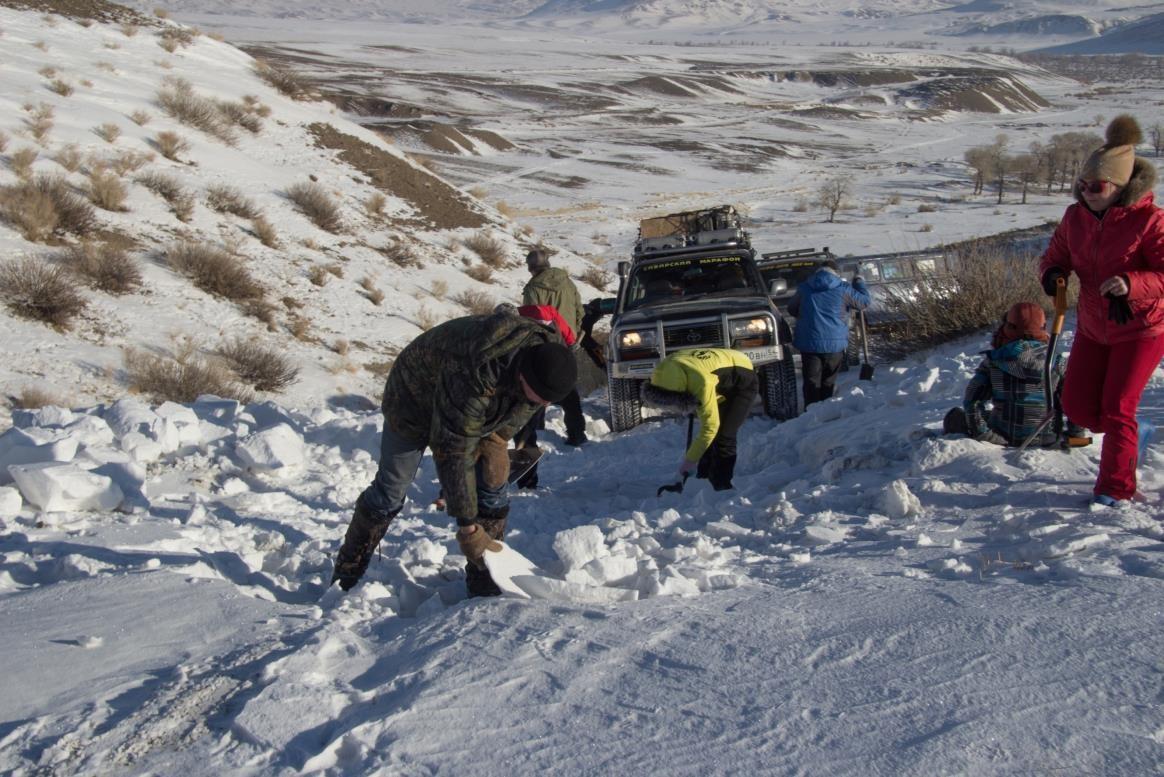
[[717, 384]]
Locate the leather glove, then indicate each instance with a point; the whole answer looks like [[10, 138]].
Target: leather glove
[[474, 541], [1118, 309], [687, 468], [992, 437], [1050, 277]]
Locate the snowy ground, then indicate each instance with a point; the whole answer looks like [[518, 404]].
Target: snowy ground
[[869, 600]]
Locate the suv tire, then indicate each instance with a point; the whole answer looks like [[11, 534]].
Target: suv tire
[[778, 388], [626, 409]]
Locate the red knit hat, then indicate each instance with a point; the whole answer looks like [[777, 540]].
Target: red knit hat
[[1024, 321]]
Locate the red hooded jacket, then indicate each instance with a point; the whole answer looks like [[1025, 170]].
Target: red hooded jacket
[[548, 315], [1128, 241]]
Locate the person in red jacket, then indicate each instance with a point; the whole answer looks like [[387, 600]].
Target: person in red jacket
[[1112, 237]]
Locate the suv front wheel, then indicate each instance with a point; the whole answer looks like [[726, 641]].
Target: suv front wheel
[[626, 409], [778, 388]]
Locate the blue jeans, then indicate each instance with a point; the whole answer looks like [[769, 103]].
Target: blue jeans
[[399, 462]]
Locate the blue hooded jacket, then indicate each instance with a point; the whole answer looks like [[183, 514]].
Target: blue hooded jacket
[[821, 307]]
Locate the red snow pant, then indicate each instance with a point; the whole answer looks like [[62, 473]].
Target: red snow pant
[[1101, 391]]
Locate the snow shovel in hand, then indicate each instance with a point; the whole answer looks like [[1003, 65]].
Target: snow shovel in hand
[[677, 486], [1052, 342], [866, 367]]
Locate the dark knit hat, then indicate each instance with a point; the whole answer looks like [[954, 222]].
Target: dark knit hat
[[537, 259], [549, 369], [1024, 321], [1114, 160]]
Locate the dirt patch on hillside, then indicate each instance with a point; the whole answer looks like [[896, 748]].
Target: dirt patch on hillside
[[490, 138], [848, 78], [97, 10], [435, 201], [976, 94], [659, 85]]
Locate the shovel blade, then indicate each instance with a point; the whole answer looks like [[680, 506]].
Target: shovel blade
[[866, 371]]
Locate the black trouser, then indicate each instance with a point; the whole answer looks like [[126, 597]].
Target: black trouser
[[571, 405], [527, 436], [819, 375], [738, 386]]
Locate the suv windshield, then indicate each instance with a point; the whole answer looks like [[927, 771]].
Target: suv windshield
[[678, 279], [793, 273]]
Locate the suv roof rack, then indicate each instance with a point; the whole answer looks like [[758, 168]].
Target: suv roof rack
[[797, 252], [707, 228]]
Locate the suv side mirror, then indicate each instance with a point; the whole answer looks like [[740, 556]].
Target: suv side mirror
[[777, 286], [623, 269]]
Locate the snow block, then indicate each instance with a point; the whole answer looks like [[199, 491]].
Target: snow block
[[141, 447], [45, 417], [578, 546], [184, 420], [132, 416], [897, 501], [264, 415], [33, 446], [55, 487], [279, 448], [90, 431], [216, 410], [10, 502]]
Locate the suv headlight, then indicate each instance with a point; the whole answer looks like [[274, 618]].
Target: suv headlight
[[638, 343], [750, 332]]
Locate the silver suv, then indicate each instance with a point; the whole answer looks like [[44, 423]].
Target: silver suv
[[695, 287]]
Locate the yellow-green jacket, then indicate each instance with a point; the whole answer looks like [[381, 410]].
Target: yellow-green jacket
[[693, 372]]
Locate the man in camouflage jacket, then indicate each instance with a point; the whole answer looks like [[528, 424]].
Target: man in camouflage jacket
[[462, 389]]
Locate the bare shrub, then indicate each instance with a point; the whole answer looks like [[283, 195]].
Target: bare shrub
[[481, 273], [48, 71], [317, 205], [69, 157], [34, 398], [242, 115], [872, 210], [129, 161], [61, 87], [227, 199], [426, 319], [21, 162], [371, 291], [285, 81], [109, 132], [46, 206], [170, 145], [258, 365], [106, 66], [596, 277], [318, 275], [129, 30], [169, 189], [300, 329], [491, 251], [40, 44], [505, 209], [440, 288], [265, 232], [801, 206], [341, 347], [374, 205], [926, 228], [35, 290], [178, 99], [214, 270], [894, 199], [478, 303], [169, 44], [39, 121], [102, 266], [106, 190], [927, 207], [140, 117], [335, 269], [3, 142], [161, 13], [400, 254], [945, 308], [182, 378]]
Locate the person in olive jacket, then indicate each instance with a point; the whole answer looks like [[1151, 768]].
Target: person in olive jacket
[[552, 286], [1112, 237], [462, 389]]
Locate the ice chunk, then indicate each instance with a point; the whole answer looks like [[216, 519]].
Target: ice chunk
[[32, 446], [580, 545], [133, 417], [57, 486], [10, 502], [611, 569], [221, 412], [274, 449], [50, 416], [897, 501], [141, 448], [819, 534], [184, 420], [90, 431]]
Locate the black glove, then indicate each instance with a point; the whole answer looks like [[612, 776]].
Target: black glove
[[1118, 309], [857, 279], [1050, 278]]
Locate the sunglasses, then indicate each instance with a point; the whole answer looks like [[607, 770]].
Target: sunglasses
[[1093, 187]]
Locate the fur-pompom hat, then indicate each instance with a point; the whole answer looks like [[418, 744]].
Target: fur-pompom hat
[[1113, 161]]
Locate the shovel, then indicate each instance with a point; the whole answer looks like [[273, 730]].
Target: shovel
[[677, 486], [866, 367]]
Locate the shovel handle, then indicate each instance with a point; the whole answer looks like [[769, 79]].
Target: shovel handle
[[1060, 305]]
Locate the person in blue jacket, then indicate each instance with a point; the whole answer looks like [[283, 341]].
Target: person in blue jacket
[[821, 306]]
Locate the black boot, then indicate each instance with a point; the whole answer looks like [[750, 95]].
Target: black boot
[[722, 469], [363, 536], [477, 580]]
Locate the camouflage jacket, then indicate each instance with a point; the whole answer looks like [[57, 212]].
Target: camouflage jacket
[[553, 286], [456, 384]]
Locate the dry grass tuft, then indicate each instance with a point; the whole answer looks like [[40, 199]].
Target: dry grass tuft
[[400, 254], [140, 117], [227, 199], [106, 190], [178, 99], [265, 232], [33, 398], [374, 205], [491, 251], [927, 207], [171, 190], [39, 122], [3, 142], [129, 161], [109, 132], [129, 30], [102, 266], [215, 271], [371, 291], [478, 303], [596, 277], [258, 365], [318, 275], [482, 273], [170, 145], [426, 319], [285, 81], [317, 205], [21, 162], [35, 290], [69, 157], [45, 207], [182, 378], [439, 289], [61, 87]]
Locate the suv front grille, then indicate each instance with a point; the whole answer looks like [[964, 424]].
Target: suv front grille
[[709, 335]]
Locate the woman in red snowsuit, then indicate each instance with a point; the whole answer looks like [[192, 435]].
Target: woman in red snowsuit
[[1113, 239]]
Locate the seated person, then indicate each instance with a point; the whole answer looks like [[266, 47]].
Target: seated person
[[1010, 377], [659, 289]]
